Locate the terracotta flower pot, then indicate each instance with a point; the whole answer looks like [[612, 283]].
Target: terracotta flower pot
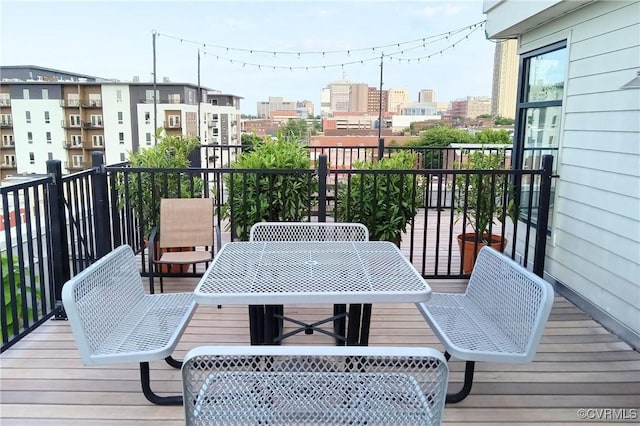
[[468, 250]]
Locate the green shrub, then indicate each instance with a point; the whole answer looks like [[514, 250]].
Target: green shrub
[[256, 197], [144, 190], [385, 203], [438, 137], [493, 136], [9, 304]]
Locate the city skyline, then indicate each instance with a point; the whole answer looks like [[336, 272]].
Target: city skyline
[[83, 43]]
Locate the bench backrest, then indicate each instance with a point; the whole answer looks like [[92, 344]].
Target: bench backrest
[[313, 385], [512, 297], [99, 297], [308, 231]]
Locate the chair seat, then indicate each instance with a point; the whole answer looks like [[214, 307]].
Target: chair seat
[[185, 257]]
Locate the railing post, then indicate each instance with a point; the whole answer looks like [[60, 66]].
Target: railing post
[[59, 246], [322, 188], [380, 148], [100, 205], [544, 202]]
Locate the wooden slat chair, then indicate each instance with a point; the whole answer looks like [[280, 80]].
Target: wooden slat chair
[[114, 321], [186, 224], [273, 385], [500, 318], [309, 231]]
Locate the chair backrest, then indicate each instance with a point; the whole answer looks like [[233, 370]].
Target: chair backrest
[[186, 222], [99, 297], [511, 296], [314, 385], [308, 231]]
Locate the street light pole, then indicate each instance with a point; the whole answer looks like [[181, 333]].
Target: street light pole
[[380, 143], [155, 101]]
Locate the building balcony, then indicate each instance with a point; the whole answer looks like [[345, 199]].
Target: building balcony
[[86, 103], [213, 123], [5, 102], [92, 125], [6, 124], [10, 165], [69, 165], [8, 144], [172, 125], [73, 144], [69, 103], [67, 124]]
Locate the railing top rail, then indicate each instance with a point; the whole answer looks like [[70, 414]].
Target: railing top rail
[[11, 187]]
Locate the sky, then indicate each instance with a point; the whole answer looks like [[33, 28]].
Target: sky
[[424, 44]]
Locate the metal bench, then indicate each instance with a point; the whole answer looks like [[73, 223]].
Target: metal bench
[[314, 385], [500, 317], [114, 321], [307, 231]]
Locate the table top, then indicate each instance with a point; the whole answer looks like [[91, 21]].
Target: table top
[[264, 273]]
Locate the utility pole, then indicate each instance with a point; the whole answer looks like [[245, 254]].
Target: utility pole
[[199, 96], [155, 101], [380, 100]]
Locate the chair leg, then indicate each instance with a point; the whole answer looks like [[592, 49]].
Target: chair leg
[[150, 395], [173, 362], [466, 387]]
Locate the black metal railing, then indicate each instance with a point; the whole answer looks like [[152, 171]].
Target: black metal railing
[[54, 227]]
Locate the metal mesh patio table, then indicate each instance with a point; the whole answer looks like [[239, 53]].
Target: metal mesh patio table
[[311, 272]]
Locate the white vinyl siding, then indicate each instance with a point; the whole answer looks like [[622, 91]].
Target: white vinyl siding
[[595, 246]]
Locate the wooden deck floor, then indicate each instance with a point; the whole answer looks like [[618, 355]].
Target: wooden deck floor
[[579, 365]]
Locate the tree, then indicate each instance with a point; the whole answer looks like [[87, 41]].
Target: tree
[[296, 129], [489, 136], [503, 121]]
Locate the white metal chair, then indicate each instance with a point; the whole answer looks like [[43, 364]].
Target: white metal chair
[[306, 231], [314, 385], [500, 318], [113, 320]]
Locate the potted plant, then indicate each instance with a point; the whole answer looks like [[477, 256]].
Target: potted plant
[[270, 196], [384, 202], [142, 191], [483, 202]]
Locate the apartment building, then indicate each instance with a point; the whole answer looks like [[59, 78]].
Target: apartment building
[[51, 114], [505, 78], [373, 101], [426, 95]]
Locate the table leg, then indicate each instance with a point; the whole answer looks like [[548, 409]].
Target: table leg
[[353, 332], [272, 325], [256, 324], [339, 325], [365, 325]]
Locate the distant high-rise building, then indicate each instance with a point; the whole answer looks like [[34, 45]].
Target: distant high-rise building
[[358, 97], [505, 79], [397, 97], [275, 103], [373, 102], [426, 95], [339, 95], [325, 102], [471, 106]]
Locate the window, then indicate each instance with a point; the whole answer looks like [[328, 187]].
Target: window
[[174, 121], [119, 95], [47, 118], [121, 137], [30, 137], [32, 158], [149, 95], [95, 100], [5, 119], [74, 120], [5, 99], [120, 117], [96, 120], [122, 157], [97, 140], [174, 98], [50, 156], [73, 99], [25, 93], [27, 115], [10, 160], [76, 140], [539, 109], [48, 135], [77, 160], [148, 138], [45, 93], [7, 140], [147, 118]]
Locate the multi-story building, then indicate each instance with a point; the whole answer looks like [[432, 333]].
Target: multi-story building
[[373, 100], [470, 107], [505, 78], [275, 103], [426, 95], [397, 97], [358, 98], [339, 92], [50, 114]]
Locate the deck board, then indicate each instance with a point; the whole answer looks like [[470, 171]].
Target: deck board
[[579, 364]]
